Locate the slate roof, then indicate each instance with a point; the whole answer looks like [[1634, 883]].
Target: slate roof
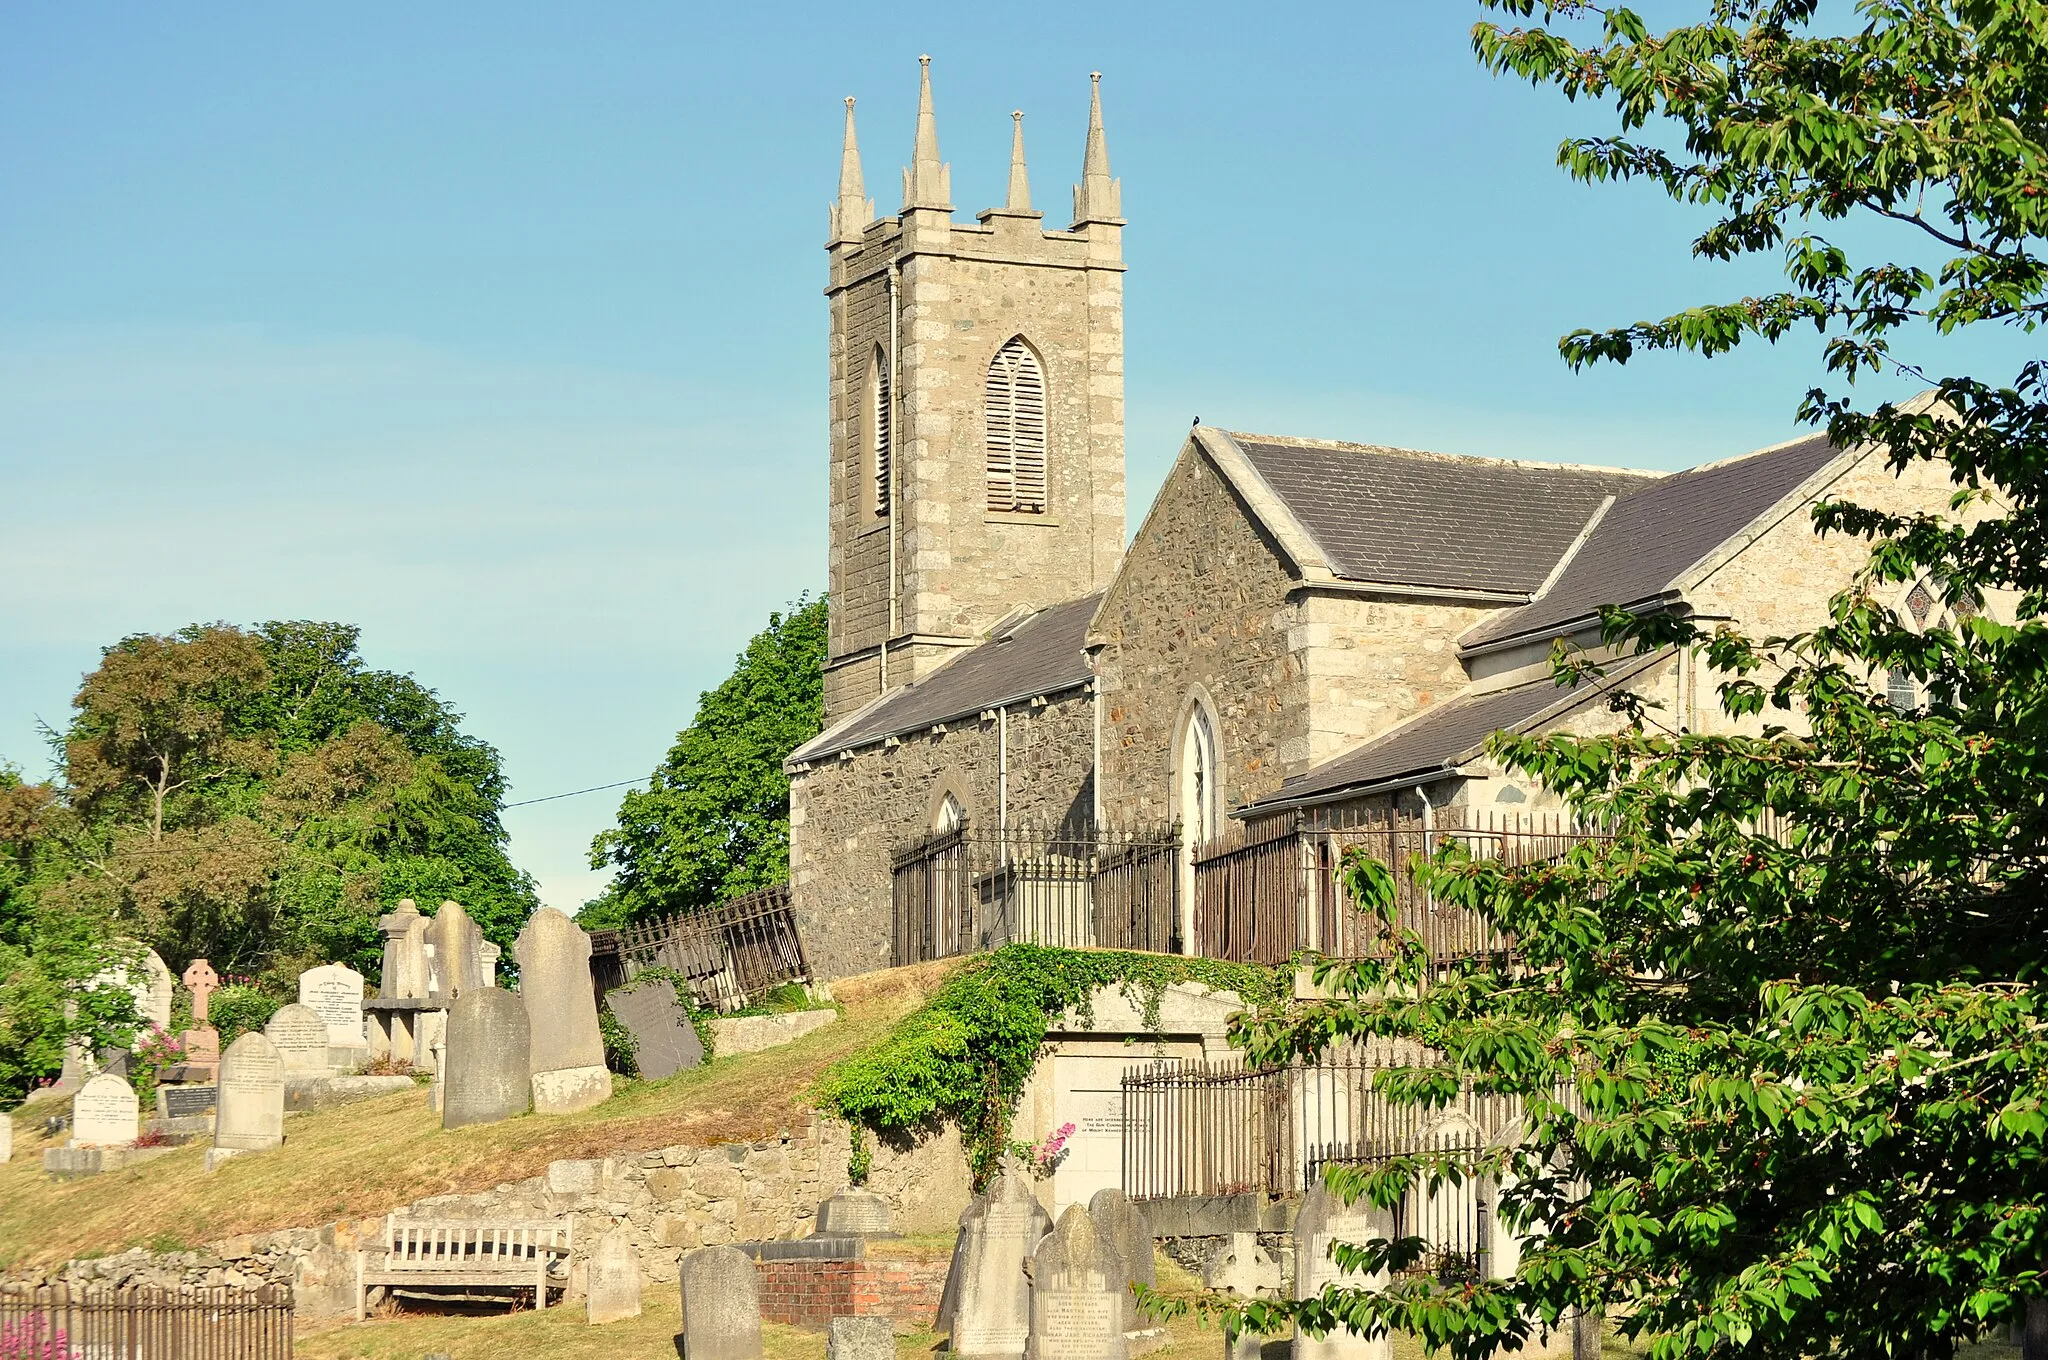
[[1040, 655], [1446, 736], [1433, 519], [1648, 540]]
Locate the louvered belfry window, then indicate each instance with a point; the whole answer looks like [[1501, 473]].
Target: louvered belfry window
[[1016, 430], [878, 412]]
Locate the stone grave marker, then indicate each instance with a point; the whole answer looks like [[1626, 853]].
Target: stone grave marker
[[6, 1138], [455, 965], [988, 1297], [154, 998], [554, 980], [405, 961], [1123, 1223], [249, 1106], [721, 1305], [869, 1337], [1243, 1269], [613, 1291], [664, 1040], [183, 1102], [105, 1113], [485, 1072], [202, 982], [1080, 1296], [1324, 1219], [335, 992], [300, 1037], [854, 1213], [487, 956]]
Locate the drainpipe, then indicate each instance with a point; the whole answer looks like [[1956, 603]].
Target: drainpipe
[[1003, 769], [895, 470]]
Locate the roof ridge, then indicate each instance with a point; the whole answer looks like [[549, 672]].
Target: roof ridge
[[1734, 458], [1539, 464]]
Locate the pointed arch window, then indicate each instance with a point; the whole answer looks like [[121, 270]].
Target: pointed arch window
[[876, 426], [1016, 430], [951, 816], [1201, 791]]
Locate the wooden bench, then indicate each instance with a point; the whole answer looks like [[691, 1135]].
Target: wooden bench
[[433, 1254]]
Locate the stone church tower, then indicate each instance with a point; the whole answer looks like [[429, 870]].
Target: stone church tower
[[976, 410]]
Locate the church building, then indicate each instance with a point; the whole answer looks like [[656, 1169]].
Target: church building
[[1302, 634]]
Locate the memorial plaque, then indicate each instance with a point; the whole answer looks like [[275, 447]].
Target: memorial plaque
[[182, 1102], [301, 1038]]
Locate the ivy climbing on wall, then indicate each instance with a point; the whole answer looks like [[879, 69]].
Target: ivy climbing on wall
[[964, 1056]]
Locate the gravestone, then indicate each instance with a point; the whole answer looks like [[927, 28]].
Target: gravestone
[[487, 956], [1080, 1298], [405, 960], [202, 982], [1324, 1219], [183, 1102], [153, 999], [988, 1298], [1123, 1223], [664, 1040], [568, 1048], [300, 1037], [1243, 1269], [614, 1279], [485, 1073], [335, 992], [870, 1337], [201, 1049], [6, 1138], [721, 1305], [105, 1113], [854, 1213], [249, 1105], [455, 967]]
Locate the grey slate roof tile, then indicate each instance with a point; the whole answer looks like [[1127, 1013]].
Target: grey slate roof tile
[[1040, 655], [1433, 519], [1649, 539]]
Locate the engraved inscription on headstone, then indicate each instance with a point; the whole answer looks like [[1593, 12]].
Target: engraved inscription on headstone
[[182, 1102], [250, 1113], [335, 992], [988, 1298], [105, 1113], [301, 1038], [1079, 1293]]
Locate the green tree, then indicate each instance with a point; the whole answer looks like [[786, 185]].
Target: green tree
[[713, 822], [1783, 1037]]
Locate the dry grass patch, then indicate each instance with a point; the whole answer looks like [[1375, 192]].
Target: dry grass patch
[[366, 1159]]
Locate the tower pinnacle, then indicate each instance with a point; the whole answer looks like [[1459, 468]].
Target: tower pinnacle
[[1097, 198], [854, 210], [928, 183], [1019, 197]]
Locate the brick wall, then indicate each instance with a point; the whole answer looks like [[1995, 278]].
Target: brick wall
[[811, 1293]]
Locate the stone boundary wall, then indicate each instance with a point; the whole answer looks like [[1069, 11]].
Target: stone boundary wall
[[810, 1294], [670, 1200]]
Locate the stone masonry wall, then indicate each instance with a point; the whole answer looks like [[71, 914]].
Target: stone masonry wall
[[848, 816]]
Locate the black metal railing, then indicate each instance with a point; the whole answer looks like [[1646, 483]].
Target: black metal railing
[[965, 889], [730, 954]]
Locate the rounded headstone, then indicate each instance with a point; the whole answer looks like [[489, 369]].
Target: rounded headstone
[[987, 1303], [721, 1305], [485, 1076], [1322, 1220], [554, 981], [614, 1279], [335, 992], [1123, 1223], [158, 989], [249, 1103], [105, 1113], [1080, 1301], [300, 1036], [454, 940]]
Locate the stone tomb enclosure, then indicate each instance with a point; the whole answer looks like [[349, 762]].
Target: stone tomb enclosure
[[105, 1113], [721, 1305], [664, 1040], [300, 1036]]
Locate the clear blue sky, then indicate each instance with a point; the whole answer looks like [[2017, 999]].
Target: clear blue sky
[[496, 328]]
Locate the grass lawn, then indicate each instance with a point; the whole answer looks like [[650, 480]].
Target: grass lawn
[[366, 1159]]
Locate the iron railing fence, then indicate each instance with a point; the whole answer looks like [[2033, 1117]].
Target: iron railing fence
[[139, 1322], [967, 889], [1266, 891], [1222, 1128], [731, 954]]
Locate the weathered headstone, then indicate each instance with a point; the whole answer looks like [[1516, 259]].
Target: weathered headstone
[[6, 1138], [486, 1076], [153, 1000], [854, 1213], [664, 1040], [105, 1113], [1322, 1220], [335, 992], [1080, 1296], [614, 1279], [202, 982], [455, 968], [249, 1106], [568, 1048], [300, 1036], [405, 962], [988, 1297], [721, 1305], [1243, 1269], [869, 1337], [1123, 1223]]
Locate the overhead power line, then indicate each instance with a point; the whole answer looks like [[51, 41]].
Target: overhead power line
[[576, 793]]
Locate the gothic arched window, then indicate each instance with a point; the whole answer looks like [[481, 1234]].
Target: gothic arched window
[[951, 816], [1201, 791], [1016, 430], [875, 428]]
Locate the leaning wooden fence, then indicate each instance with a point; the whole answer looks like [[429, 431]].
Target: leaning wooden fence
[[138, 1322]]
